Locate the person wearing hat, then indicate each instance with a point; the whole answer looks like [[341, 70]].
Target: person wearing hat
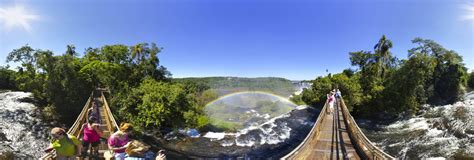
[[119, 141], [67, 146]]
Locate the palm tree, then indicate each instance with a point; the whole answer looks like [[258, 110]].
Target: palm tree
[[137, 51], [383, 55], [71, 50]]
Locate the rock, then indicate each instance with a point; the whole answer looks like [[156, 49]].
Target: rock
[[470, 131], [3, 137]]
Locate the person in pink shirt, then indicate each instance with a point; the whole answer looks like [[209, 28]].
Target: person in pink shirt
[[119, 141], [331, 100], [91, 135]]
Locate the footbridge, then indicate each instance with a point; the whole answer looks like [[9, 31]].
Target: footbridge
[[107, 123], [333, 136], [336, 136]]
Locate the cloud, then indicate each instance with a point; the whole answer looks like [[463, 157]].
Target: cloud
[[468, 14], [16, 17]]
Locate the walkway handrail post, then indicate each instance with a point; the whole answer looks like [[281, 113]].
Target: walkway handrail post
[[354, 130], [314, 130], [74, 127], [109, 112]]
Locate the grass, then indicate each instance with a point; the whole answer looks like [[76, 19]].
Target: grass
[[221, 125]]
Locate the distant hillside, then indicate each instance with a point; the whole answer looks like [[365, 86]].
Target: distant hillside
[[226, 85]]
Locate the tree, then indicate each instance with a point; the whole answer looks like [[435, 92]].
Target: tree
[[383, 56], [157, 104], [317, 94], [71, 50], [471, 80], [361, 59], [407, 89], [350, 87], [25, 55], [7, 78], [449, 75]]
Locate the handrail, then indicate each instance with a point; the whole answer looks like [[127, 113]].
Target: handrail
[[314, 130], [77, 126], [74, 127], [109, 113], [362, 142]]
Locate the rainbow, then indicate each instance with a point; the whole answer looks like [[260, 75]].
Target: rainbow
[[254, 92]]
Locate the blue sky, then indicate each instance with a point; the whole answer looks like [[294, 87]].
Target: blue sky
[[294, 39]]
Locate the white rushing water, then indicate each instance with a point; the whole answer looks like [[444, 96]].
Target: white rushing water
[[21, 132], [270, 132], [273, 131], [440, 132], [300, 86]]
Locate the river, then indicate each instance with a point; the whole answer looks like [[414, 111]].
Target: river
[[22, 132], [438, 132]]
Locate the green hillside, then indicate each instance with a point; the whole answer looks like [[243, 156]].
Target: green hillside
[[226, 85]]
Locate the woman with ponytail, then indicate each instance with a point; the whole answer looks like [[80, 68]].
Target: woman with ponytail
[[92, 134]]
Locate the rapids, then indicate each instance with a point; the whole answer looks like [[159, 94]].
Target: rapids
[[21, 131], [438, 132]]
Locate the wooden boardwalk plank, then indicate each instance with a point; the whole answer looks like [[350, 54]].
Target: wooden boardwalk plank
[[332, 142]]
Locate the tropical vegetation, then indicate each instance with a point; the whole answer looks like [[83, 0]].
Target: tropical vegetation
[[141, 91], [381, 84]]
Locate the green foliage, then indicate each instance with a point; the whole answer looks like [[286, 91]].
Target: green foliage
[[449, 75], [7, 78], [206, 96], [382, 84], [297, 99], [350, 87], [63, 83], [471, 80], [102, 73], [406, 89], [317, 94], [156, 104]]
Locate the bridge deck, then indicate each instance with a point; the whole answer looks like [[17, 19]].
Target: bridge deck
[[332, 142]]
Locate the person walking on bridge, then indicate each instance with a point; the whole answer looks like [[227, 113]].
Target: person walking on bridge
[[94, 112], [92, 134], [331, 100], [338, 93]]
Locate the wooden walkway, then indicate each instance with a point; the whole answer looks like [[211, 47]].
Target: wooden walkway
[[333, 141], [336, 136], [107, 123]]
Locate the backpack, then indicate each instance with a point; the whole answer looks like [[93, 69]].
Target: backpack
[[137, 149]]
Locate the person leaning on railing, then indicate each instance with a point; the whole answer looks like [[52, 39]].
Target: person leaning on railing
[[119, 141], [67, 146]]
